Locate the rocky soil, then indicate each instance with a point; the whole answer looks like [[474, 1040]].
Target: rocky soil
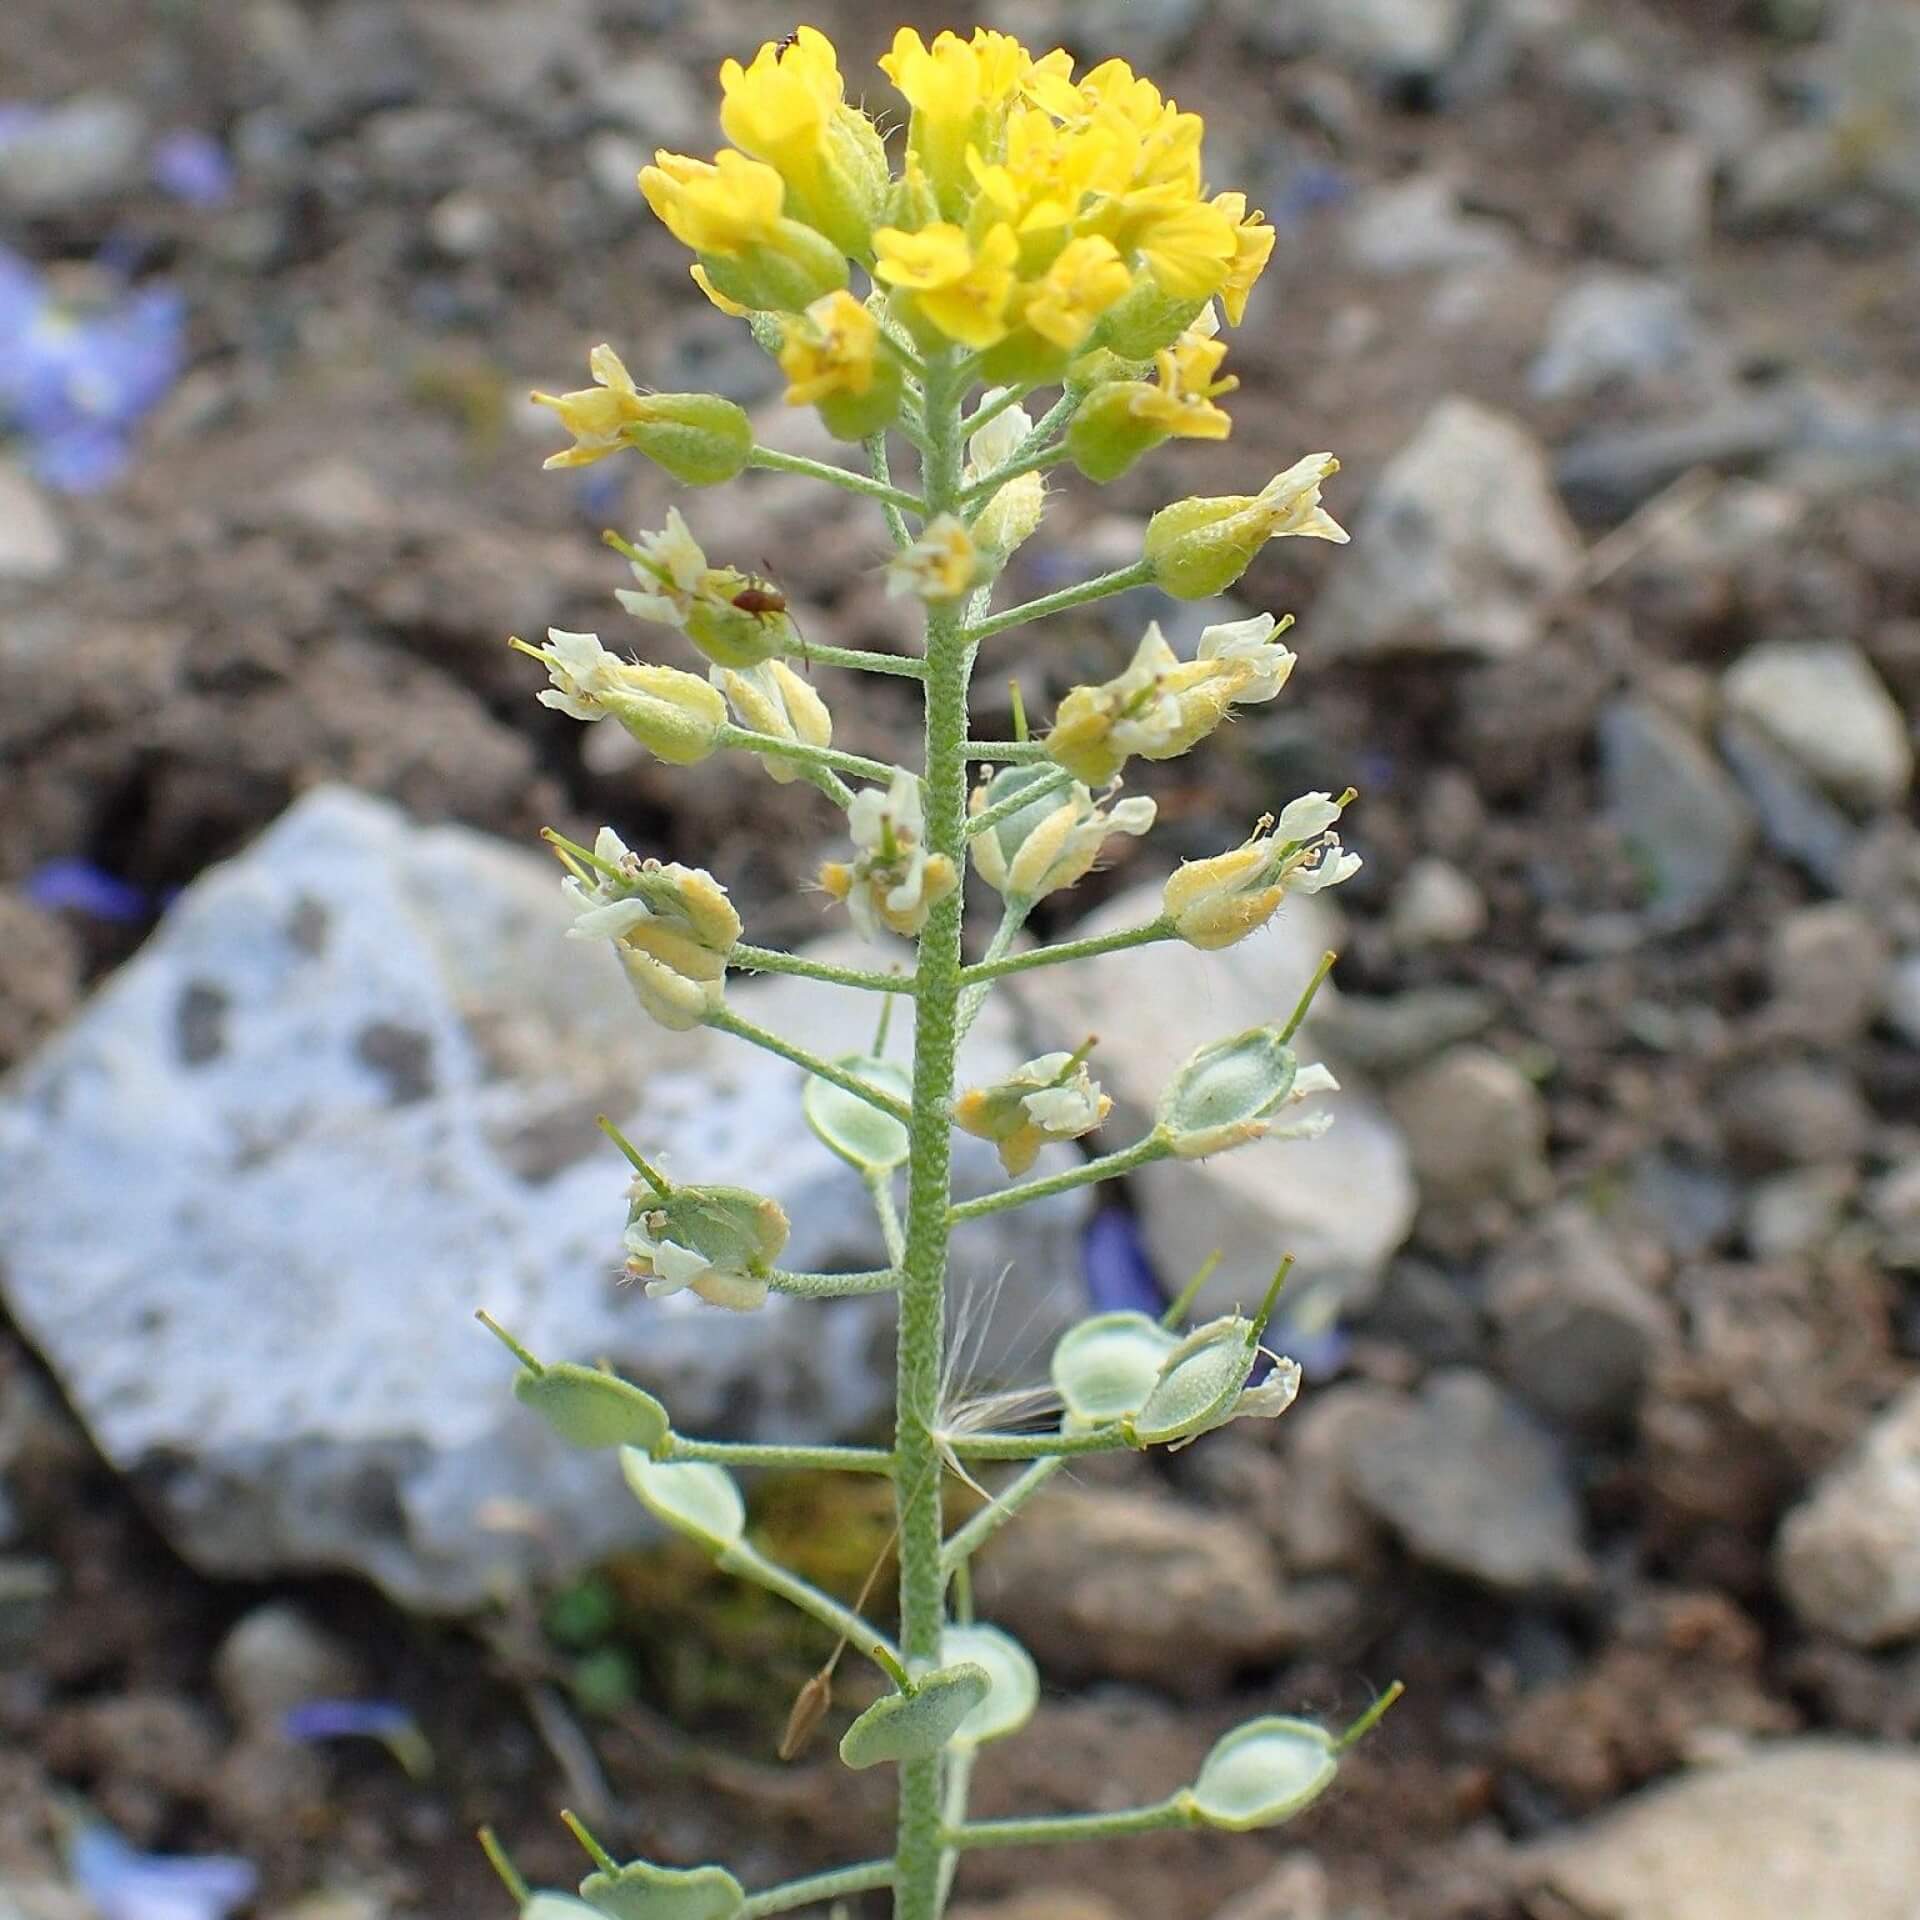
[[1610, 1300]]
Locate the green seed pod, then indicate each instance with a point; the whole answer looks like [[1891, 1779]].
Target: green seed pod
[[1199, 1384], [1106, 1368], [909, 1726], [863, 1136], [1107, 436], [1264, 1773], [697, 437], [690, 1496], [1014, 1691], [1144, 320], [641, 1891], [783, 278], [1223, 1095]]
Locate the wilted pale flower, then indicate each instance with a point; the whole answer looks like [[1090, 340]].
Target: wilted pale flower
[[1158, 708], [772, 698], [718, 1242], [941, 565], [892, 880], [1253, 643], [672, 925], [1199, 547], [669, 566], [1217, 901], [1052, 844], [1051, 1098], [673, 714]]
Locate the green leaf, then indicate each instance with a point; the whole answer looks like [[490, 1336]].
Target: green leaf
[[558, 1906], [859, 1133], [1014, 1691], [1263, 1773], [1105, 1368], [588, 1408], [642, 1891], [691, 1496], [909, 1726]]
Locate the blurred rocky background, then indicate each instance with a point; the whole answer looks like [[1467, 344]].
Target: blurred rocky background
[[1610, 1271]]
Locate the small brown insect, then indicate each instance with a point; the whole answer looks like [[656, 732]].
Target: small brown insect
[[760, 600], [788, 40]]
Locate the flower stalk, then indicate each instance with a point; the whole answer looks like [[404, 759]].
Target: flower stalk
[[1040, 232]]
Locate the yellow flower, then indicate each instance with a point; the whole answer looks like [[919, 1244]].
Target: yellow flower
[[960, 91], [731, 308], [958, 289], [725, 208], [1083, 282], [831, 352], [778, 108], [1189, 245], [1181, 403], [788, 109], [697, 437], [1253, 248], [941, 565], [597, 416]]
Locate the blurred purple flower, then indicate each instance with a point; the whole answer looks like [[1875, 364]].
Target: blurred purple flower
[[193, 167], [125, 1884], [81, 887], [1115, 1267], [383, 1720], [76, 383]]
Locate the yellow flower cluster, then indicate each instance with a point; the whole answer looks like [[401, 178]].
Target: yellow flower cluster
[[1035, 218]]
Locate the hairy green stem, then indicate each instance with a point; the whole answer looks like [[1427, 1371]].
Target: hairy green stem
[[803, 755], [1006, 753], [880, 1190], [1098, 588], [965, 1541], [1036, 1446], [877, 464], [903, 666], [1055, 1829], [727, 1021], [769, 960], [1108, 1167], [917, 1857], [744, 1563], [834, 1286], [785, 1459], [1099, 943], [818, 1887], [774, 461], [990, 817]]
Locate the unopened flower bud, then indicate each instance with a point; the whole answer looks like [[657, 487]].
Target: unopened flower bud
[[772, 698], [834, 360], [1039, 849], [673, 926], [1215, 902], [1009, 519], [672, 714], [892, 881], [718, 1242], [1200, 547], [1051, 1098], [699, 438]]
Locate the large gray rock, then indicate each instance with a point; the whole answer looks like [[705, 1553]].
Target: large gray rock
[[252, 1195], [1683, 819], [1341, 1204], [1458, 547], [1471, 1485], [1849, 1555], [1827, 1827], [1821, 703], [1626, 329], [33, 544]]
